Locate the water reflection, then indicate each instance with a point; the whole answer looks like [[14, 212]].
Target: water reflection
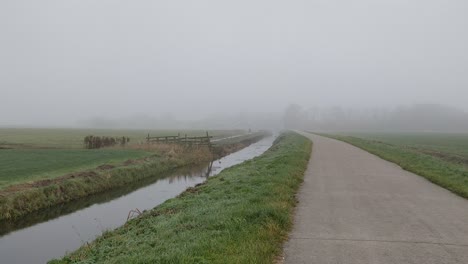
[[67, 208]]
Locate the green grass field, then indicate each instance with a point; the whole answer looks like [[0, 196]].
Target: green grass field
[[21, 165], [441, 158], [73, 138], [240, 216], [449, 144]]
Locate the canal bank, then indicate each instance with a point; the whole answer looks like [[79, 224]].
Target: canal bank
[[53, 238], [241, 216]]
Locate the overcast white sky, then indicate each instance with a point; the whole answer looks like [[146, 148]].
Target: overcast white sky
[[66, 60]]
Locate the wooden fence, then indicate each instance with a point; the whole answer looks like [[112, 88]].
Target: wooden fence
[[184, 140]]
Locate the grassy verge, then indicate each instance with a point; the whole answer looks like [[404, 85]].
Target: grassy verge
[[442, 170], [241, 216]]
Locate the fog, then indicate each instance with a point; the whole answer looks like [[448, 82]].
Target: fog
[[231, 64], [414, 118]]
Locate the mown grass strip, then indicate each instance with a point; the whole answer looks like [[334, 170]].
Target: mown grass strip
[[451, 176], [241, 216]]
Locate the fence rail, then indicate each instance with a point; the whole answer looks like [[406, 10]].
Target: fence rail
[[184, 140]]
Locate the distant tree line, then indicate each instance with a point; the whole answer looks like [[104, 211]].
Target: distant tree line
[[94, 142]]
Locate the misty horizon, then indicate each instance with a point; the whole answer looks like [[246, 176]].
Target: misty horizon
[[410, 118], [72, 63]]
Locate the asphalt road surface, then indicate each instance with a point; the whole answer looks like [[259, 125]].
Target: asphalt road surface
[[357, 208]]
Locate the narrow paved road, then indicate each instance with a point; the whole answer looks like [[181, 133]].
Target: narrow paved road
[[357, 208]]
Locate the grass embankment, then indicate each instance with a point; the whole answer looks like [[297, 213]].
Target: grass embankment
[[22, 165], [439, 158], [23, 198], [240, 216]]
